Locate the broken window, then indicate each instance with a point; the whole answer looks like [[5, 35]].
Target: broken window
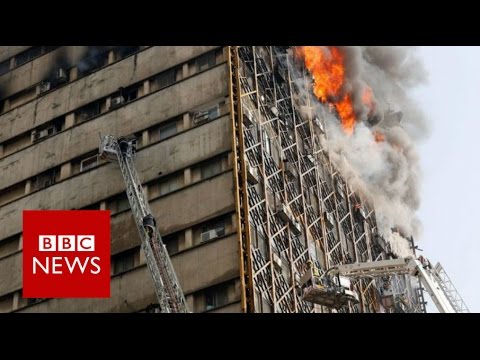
[[123, 261], [205, 61], [168, 130]]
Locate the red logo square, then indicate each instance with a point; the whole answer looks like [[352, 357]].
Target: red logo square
[[66, 254]]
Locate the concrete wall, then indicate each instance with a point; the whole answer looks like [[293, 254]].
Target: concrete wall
[[178, 210], [94, 86], [131, 118], [9, 51], [175, 153]]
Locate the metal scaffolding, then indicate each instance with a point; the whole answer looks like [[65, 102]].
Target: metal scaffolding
[[293, 204]]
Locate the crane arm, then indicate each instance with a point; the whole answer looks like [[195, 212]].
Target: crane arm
[[167, 287]]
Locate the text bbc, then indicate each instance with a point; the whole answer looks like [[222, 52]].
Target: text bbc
[[66, 243]]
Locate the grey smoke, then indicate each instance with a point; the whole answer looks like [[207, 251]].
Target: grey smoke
[[386, 174]]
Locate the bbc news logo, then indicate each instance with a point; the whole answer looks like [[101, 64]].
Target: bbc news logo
[[66, 254]]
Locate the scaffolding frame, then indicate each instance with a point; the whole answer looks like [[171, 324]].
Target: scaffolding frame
[[292, 203]]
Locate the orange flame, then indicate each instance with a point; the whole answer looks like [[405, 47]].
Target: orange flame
[[326, 64], [379, 137], [367, 99]]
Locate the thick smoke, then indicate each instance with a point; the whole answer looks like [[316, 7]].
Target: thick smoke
[[386, 172]]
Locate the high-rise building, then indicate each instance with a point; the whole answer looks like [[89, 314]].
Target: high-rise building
[[229, 154]]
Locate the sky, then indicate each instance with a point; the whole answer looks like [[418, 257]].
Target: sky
[[450, 203]]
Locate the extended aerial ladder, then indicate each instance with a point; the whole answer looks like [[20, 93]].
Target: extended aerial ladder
[[167, 288], [332, 289]]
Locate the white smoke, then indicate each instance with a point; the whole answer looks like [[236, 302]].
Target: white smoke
[[385, 173]]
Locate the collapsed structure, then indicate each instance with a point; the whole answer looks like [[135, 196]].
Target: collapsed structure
[[233, 154]]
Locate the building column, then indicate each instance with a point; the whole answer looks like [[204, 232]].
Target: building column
[[185, 70], [20, 242], [103, 205], [188, 238], [28, 186], [73, 74], [145, 138], [146, 87], [187, 121], [1, 150], [66, 170], [16, 299], [111, 56], [69, 120], [187, 174]]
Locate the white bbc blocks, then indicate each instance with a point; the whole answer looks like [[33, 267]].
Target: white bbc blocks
[[66, 242]]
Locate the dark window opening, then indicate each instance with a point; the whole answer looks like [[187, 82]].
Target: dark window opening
[[171, 242], [210, 169], [88, 112], [216, 297], [44, 179], [124, 261], [32, 301], [205, 61], [96, 58], [165, 79], [28, 55], [4, 66], [130, 94], [124, 51]]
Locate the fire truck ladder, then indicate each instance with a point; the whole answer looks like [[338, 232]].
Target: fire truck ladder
[[168, 290], [435, 280]]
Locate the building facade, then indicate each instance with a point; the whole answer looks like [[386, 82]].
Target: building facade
[[243, 193]]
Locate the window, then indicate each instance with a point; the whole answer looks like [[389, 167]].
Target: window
[[89, 163], [168, 130], [211, 169], [124, 51], [216, 297], [123, 261], [96, 58], [171, 184], [27, 55], [4, 66], [87, 112], [205, 61], [171, 242], [164, 79], [123, 204], [44, 180], [201, 117], [212, 231], [266, 143], [130, 94], [9, 246]]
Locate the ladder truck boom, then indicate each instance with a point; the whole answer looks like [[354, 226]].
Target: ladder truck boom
[[167, 287], [435, 280]]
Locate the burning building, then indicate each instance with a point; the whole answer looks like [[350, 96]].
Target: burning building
[[257, 161]]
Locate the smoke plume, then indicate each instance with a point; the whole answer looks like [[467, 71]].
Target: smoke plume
[[376, 154]]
